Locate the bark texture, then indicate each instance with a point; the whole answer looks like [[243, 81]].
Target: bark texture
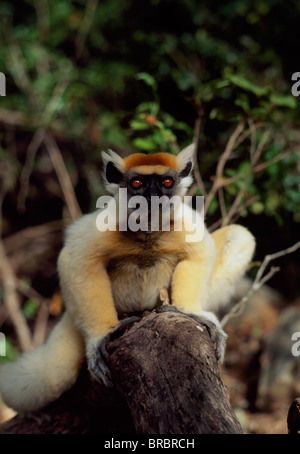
[[293, 418], [166, 381]]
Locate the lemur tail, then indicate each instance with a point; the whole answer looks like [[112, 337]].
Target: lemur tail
[[42, 375]]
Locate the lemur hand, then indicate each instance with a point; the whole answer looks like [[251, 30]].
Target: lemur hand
[[218, 336], [98, 356]]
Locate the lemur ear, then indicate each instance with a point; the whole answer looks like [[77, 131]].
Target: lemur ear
[[113, 175], [185, 161], [113, 170]]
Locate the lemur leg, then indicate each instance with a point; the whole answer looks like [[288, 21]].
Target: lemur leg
[[42, 375], [234, 246], [190, 294]]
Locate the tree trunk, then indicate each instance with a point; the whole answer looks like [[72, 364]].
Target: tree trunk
[[293, 418], [166, 381]]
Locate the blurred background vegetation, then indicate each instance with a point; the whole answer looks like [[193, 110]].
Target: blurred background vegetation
[[150, 76]]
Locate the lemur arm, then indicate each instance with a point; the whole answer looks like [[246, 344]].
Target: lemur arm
[[88, 296]]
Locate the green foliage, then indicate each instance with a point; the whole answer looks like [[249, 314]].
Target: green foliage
[[151, 129], [238, 96], [136, 75], [30, 309]]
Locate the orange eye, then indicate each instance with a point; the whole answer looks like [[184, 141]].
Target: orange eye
[[168, 183], [136, 184]]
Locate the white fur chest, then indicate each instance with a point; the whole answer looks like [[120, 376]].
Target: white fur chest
[[136, 282]]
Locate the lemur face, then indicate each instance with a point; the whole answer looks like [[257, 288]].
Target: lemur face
[[157, 175]]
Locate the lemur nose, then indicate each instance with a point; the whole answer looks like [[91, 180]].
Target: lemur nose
[[152, 190]]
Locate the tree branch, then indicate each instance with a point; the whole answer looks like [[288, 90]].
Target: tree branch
[[222, 161], [166, 381], [259, 281], [63, 177], [11, 301]]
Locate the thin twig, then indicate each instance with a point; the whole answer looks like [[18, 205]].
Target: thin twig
[[264, 165], [234, 206], [247, 133], [29, 291], [259, 281], [63, 176], [255, 156], [228, 150], [197, 174], [32, 149], [240, 306], [222, 203], [270, 257], [38, 137], [40, 327], [242, 207], [256, 169], [11, 301], [85, 26], [222, 161], [17, 65], [43, 20], [252, 129]]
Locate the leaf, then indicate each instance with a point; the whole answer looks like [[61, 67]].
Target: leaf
[[181, 126], [151, 108], [168, 135], [243, 102], [139, 125], [284, 101], [257, 208], [147, 79], [30, 309], [246, 85], [293, 195], [213, 206], [272, 202], [145, 144]]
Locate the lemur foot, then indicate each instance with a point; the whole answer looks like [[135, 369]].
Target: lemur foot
[[98, 356], [98, 362], [217, 335]]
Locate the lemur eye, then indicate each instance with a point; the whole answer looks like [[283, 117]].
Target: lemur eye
[[168, 183], [136, 184]]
